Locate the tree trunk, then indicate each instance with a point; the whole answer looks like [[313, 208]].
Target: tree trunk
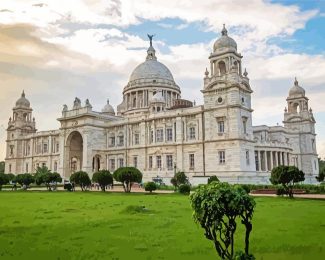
[[248, 231]]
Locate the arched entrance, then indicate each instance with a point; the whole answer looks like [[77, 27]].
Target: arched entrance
[[74, 152]]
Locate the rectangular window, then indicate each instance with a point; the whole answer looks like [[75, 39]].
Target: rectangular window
[[221, 126], [112, 141], [120, 162], [135, 161], [136, 139], [247, 157], [9, 168], [151, 136], [28, 149], [44, 148], [159, 135], [26, 167], [121, 140], [55, 166], [150, 162], [222, 157], [112, 164], [158, 161], [191, 158], [57, 147], [244, 119], [169, 160], [169, 134], [192, 133]]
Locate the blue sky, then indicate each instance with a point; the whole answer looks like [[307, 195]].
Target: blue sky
[[89, 49]]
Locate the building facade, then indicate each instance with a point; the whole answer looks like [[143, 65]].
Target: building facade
[[160, 133]]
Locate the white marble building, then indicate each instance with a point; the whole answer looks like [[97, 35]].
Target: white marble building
[[160, 133]]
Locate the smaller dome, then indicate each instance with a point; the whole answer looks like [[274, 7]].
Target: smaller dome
[[224, 42], [157, 98], [22, 101], [108, 109], [296, 90]]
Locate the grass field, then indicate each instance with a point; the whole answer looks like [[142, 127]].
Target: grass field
[[94, 225]]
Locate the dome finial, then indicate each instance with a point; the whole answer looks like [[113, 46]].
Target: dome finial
[[296, 81], [150, 38], [108, 101], [23, 94], [224, 31]]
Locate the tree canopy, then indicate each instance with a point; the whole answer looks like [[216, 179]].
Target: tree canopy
[[2, 167], [216, 207], [24, 179], [81, 178], [127, 176], [103, 178], [287, 176], [3, 180], [44, 176], [179, 178]]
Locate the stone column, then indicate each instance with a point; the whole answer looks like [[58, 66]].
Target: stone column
[[276, 159], [271, 158], [259, 161]]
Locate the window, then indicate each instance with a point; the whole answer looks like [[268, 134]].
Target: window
[[159, 135], [136, 138], [150, 162], [257, 164], [45, 148], [112, 164], [112, 141], [9, 168], [169, 134], [222, 157], [158, 161], [221, 126], [11, 150], [244, 119], [151, 136], [121, 140], [135, 161], [57, 147], [120, 162], [26, 168], [191, 158], [43, 164], [28, 149], [192, 133], [247, 157], [169, 160], [55, 166]]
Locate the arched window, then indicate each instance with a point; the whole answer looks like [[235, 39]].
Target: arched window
[[134, 102], [222, 68], [296, 108]]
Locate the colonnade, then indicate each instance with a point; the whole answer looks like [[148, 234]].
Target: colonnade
[[267, 160]]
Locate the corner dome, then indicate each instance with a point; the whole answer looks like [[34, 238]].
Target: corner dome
[[108, 109], [224, 42], [157, 98], [23, 101], [296, 90]]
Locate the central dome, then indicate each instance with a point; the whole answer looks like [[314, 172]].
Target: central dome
[[151, 69]]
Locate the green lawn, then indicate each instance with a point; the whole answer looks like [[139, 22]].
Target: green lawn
[[60, 225]]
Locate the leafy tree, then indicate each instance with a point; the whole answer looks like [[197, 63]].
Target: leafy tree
[[3, 180], [321, 175], [150, 186], [2, 167], [44, 176], [103, 178], [287, 176], [24, 179], [216, 207], [10, 176], [178, 179], [213, 178], [127, 176], [81, 178]]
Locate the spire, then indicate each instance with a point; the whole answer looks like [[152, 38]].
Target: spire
[[206, 73], [151, 52], [296, 81], [245, 73], [224, 31], [23, 94], [107, 101]]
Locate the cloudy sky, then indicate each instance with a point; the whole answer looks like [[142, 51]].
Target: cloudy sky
[[57, 50]]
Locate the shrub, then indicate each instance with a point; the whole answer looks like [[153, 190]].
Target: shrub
[[24, 179], [127, 176], [280, 191], [3, 180], [240, 255], [184, 189], [67, 186], [150, 186], [213, 178], [178, 179]]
